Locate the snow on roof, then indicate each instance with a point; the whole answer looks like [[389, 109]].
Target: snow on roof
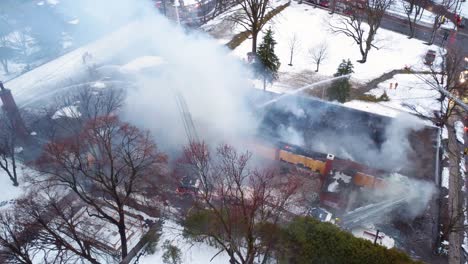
[[36, 83], [342, 176], [460, 132], [68, 111], [373, 108], [333, 187], [142, 63]]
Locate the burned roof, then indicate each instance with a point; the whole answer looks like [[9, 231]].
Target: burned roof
[[370, 139]]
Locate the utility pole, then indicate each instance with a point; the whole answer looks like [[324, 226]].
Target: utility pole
[[376, 237]]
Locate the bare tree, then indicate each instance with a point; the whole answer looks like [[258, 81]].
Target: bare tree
[[445, 78], [414, 10], [70, 112], [8, 155], [438, 21], [106, 164], [251, 16], [15, 239], [294, 44], [61, 231], [319, 54], [354, 26], [241, 206]]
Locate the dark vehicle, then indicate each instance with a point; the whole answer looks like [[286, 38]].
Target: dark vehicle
[[430, 57], [324, 3]]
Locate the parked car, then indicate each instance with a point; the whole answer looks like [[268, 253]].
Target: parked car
[[430, 57], [324, 3], [320, 214]]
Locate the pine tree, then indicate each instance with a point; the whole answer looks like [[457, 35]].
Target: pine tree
[[267, 61], [339, 90]]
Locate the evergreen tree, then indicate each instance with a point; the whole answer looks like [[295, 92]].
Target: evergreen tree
[[306, 240], [339, 90], [267, 62]]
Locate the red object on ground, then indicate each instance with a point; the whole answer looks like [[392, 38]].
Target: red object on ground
[[187, 190]]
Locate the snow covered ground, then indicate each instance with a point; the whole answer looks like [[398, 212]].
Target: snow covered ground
[[412, 91], [192, 253], [460, 132], [10, 192], [464, 9], [369, 233], [445, 177], [311, 26]]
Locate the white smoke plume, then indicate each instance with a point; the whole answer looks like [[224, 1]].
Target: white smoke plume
[[392, 154], [212, 82]]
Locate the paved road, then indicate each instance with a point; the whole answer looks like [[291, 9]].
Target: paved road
[[422, 32]]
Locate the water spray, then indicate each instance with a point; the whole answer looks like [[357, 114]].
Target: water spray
[[309, 86]]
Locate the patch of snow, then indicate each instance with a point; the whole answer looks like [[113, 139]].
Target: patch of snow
[[40, 3], [459, 131], [192, 253], [342, 176], [462, 169], [412, 92], [444, 132], [98, 85], [53, 2], [74, 21], [18, 150], [445, 177], [369, 234], [373, 108], [33, 133], [445, 243], [67, 44], [9, 192], [68, 111], [464, 9], [333, 187]]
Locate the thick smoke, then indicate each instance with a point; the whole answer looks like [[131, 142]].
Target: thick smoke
[[212, 82], [393, 153]]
